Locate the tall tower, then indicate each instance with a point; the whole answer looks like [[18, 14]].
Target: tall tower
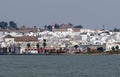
[[53, 27]]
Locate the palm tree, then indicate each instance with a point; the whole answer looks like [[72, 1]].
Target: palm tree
[[117, 47], [28, 45], [76, 46], [37, 45], [113, 48], [44, 43]]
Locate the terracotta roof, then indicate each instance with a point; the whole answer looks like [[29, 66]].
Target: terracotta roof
[[64, 30], [76, 29], [63, 26], [26, 38], [4, 30], [60, 30], [117, 42], [26, 30], [23, 38], [8, 36]]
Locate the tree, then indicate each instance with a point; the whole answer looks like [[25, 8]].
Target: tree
[[117, 47], [113, 48], [49, 27], [78, 26], [100, 49], [13, 25], [70, 24], [44, 43], [23, 26], [116, 30], [35, 27], [28, 45], [37, 45], [3, 25], [57, 26], [76, 46], [45, 27]]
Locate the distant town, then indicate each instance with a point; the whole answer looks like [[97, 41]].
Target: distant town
[[57, 39]]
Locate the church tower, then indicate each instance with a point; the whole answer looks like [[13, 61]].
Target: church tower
[[53, 28]]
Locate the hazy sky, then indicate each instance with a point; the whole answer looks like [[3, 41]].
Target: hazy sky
[[89, 13]]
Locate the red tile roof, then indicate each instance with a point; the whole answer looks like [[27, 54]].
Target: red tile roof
[[8, 36], [23, 38], [26, 38], [76, 29]]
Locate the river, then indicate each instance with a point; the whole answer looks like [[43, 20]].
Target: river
[[59, 65]]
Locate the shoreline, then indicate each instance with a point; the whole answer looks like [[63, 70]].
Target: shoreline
[[66, 54]]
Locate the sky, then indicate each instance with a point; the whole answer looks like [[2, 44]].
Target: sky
[[88, 13]]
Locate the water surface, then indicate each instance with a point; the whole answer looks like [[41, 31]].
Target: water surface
[[59, 65]]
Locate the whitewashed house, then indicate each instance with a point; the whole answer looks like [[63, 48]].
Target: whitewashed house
[[22, 42]]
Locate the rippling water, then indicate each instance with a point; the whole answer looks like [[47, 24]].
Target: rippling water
[[59, 65]]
